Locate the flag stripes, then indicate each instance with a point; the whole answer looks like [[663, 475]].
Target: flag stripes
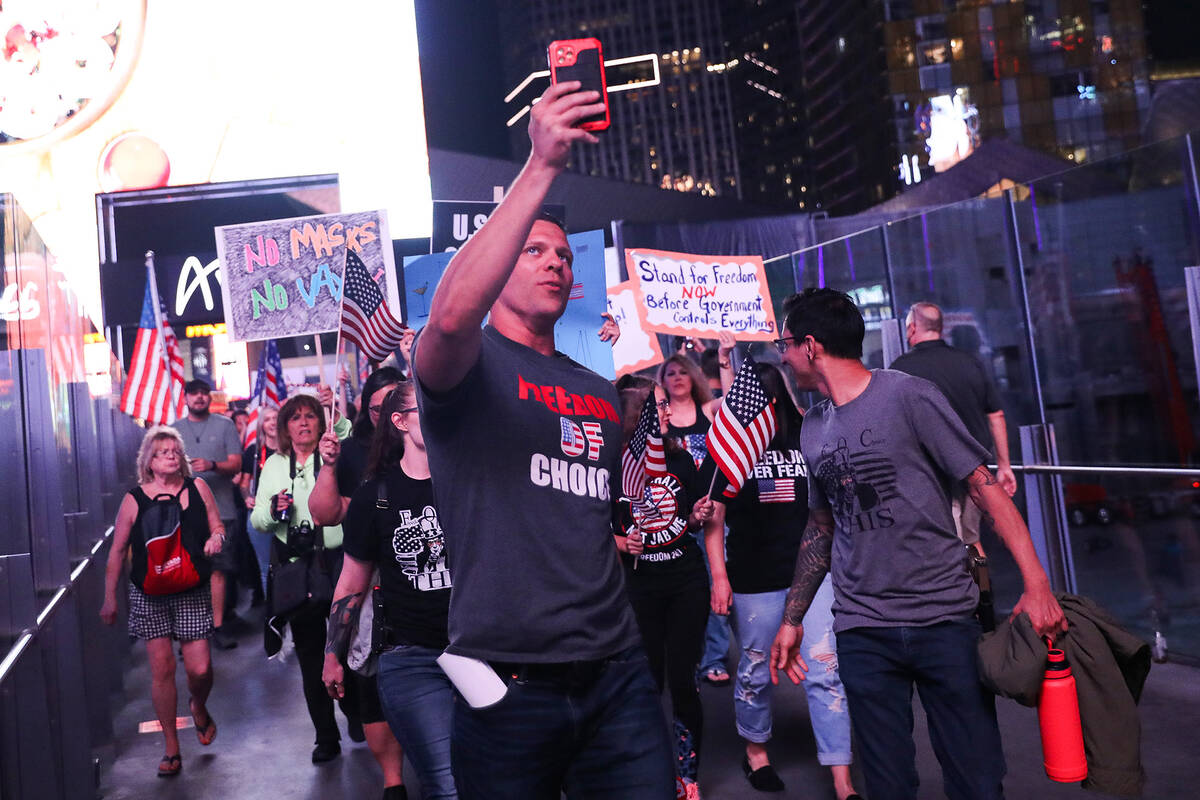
[[742, 427], [153, 390]]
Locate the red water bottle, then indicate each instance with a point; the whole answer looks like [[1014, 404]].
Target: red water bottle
[[1058, 717]]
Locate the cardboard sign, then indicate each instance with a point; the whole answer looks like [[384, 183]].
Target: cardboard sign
[[692, 295], [574, 333], [637, 348], [284, 277], [455, 221]]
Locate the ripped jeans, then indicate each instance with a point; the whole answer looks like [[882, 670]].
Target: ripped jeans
[[756, 619]]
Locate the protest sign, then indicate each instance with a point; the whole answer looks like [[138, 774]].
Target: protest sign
[[637, 348], [574, 333], [455, 221], [284, 277], [694, 295]]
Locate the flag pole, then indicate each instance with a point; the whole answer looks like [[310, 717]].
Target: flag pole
[[337, 350], [158, 320]]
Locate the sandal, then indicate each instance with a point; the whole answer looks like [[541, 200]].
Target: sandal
[[716, 677], [206, 734], [170, 766]]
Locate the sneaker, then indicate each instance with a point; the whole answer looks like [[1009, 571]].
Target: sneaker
[[222, 640], [691, 790], [395, 792], [764, 779], [326, 751]]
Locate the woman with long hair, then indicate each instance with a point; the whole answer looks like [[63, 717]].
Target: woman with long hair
[[752, 571], [692, 407], [665, 577], [155, 617], [281, 509], [392, 524]]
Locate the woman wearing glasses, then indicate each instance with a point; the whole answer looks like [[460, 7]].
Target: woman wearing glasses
[[666, 579], [752, 571], [392, 524]]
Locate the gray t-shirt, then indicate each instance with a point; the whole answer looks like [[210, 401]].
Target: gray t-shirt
[[214, 439], [884, 463], [525, 459]]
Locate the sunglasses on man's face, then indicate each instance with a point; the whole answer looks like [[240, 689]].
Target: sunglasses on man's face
[[783, 344]]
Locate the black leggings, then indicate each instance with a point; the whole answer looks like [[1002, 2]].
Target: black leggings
[[672, 615], [308, 634]]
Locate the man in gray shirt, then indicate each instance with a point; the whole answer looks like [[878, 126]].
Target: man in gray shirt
[[884, 450], [524, 451], [215, 454]]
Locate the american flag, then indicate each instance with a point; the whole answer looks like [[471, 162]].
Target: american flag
[[153, 391], [644, 457], [741, 428], [777, 490], [366, 319], [576, 292], [269, 390]]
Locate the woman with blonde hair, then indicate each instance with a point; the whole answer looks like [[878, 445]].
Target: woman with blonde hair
[[171, 523]]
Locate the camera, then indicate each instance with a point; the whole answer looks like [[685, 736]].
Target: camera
[[301, 538]]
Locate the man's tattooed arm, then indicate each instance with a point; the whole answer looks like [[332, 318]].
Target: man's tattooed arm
[[812, 563], [342, 616]]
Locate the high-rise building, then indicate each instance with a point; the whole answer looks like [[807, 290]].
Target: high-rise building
[[1067, 77], [674, 129]]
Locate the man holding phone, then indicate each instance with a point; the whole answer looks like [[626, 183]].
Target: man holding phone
[[524, 451]]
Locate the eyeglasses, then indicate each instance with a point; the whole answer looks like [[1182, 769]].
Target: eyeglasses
[[782, 344], [663, 404], [406, 410]]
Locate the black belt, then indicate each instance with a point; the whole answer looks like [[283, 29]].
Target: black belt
[[567, 673]]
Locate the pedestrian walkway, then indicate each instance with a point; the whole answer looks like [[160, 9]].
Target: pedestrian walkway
[[265, 738]]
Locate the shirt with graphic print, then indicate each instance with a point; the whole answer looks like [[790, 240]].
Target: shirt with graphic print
[[525, 457], [661, 514], [693, 438], [406, 542], [766, 519], [884, 464]]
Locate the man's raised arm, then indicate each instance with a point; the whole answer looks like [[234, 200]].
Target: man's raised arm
[[449, 344]]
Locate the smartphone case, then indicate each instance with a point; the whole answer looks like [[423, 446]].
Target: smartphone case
[[581, 60]]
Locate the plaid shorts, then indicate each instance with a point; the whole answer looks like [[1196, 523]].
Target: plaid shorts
[[184, 616]]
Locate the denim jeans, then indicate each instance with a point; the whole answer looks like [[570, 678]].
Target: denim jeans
[[756, 621], [418, 701], [716, 632], [600, 738], [880, 666]]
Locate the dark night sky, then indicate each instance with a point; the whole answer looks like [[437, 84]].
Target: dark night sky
[[461, 76], [1171, 30]]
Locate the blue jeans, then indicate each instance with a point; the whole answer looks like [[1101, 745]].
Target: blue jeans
[[602, 736], [879, 667], [418, 701], [756, 621], [716, 632]]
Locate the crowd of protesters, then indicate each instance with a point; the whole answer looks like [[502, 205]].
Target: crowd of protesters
[[467, 536]]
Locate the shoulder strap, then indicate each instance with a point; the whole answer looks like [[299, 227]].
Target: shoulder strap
[[381, 493]]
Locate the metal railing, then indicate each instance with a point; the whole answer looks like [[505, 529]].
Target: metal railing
[[26, 638]]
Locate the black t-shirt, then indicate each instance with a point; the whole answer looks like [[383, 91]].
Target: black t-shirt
[[352, 465], [671, 551], [693, 438], [960, 377], [250, 455], [766, 520], [406, 542], [526, 460]]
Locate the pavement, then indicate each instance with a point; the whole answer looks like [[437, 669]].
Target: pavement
[[265, 738]]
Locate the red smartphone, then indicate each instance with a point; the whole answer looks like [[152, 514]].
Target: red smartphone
[[581, 60]]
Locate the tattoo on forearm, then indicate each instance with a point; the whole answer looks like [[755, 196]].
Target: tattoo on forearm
[[341, 624], [982, 476], [812, 563]]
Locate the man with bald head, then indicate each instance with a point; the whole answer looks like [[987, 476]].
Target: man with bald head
[[970, 392]]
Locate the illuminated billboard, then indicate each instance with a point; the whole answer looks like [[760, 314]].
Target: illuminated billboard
[[111, 95]]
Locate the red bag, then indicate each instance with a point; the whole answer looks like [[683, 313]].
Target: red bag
[[169, 566]]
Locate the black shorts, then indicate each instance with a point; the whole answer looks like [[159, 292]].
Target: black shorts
[[369, 708]]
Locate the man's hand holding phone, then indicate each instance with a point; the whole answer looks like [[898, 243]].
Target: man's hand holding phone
[[552, 122]]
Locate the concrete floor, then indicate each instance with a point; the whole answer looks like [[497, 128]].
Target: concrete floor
[[265, 738]]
